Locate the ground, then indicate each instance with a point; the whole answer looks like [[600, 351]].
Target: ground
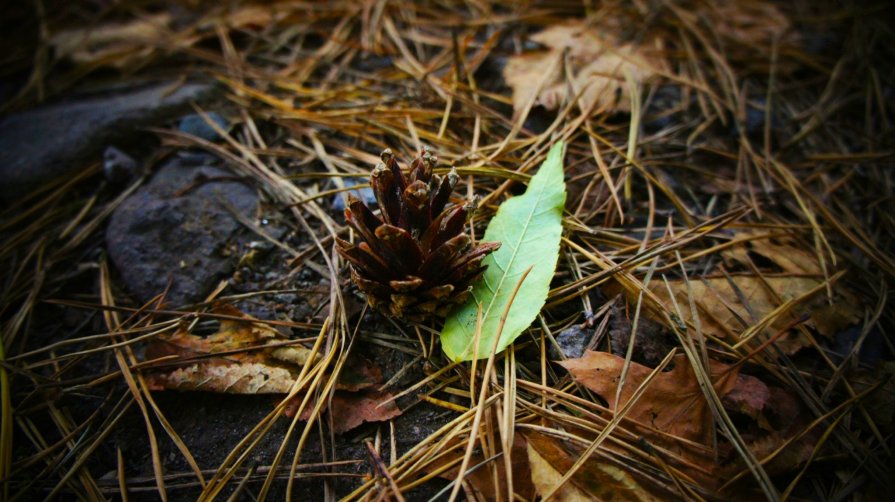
[[174, 179]]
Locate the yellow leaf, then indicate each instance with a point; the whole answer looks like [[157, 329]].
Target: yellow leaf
[[548, 460], [243, 357]]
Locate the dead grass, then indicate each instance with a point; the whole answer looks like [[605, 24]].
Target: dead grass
[[752, 133]]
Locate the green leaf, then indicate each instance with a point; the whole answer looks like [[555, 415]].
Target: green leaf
[[529, 228]]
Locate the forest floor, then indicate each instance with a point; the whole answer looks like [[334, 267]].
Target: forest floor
[[177, 324]]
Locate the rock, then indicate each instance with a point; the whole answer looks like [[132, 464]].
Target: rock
[[364, 194], [572, 342], [197, 126], [118, 167], [178, 226], [870, 352], [195, 158], [651, 345], [55, 139]]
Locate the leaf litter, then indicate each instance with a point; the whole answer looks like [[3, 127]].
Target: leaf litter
[[727, 170], [242, 357], [248, 357], [598, 64]]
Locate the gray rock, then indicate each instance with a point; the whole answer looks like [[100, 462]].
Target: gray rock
[[178, 227], [54, 140], [197, 126], [365, 194], [572, 342], [118, 167], [651, 345]]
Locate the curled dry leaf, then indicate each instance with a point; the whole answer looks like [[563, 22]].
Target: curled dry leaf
[[116, 44], [351, 409], [728, 307], [242, 357], [673, 408], [598, 61], [672, 403], [356, 399], [595, 480]]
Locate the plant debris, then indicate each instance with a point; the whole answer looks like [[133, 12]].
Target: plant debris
[[718, 251], [242, 357], [599, 64]]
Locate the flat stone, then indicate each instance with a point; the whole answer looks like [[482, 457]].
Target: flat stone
[[196, 125], [55, 139], [365, 194], [178, 226], [571, 342]]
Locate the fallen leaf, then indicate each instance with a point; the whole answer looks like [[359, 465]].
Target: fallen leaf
[[481, 479], [216, 376], [529, 228], [243, 357], [791, 457], [673, 402], [673, 406], [356, 399], [358, 373], [351, 409], [781, 251], [726, 310], [595, 480], [749, 396], [778, 416], [545, 477], [115, 44], [599, 61]]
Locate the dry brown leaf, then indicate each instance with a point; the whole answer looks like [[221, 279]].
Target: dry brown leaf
[[114, 44], [598, 62], [545, 477], [722, 314], [351, 409], [356, 399], [672, 403], [595, 480], [783, 252], [749, 396], [358, 373], [242, 357], [779, 416], [481, 480], [749, 23]]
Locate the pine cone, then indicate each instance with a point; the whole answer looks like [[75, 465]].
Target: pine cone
[[414, 260]]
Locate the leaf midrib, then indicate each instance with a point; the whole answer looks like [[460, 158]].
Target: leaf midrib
[[503, 276]]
